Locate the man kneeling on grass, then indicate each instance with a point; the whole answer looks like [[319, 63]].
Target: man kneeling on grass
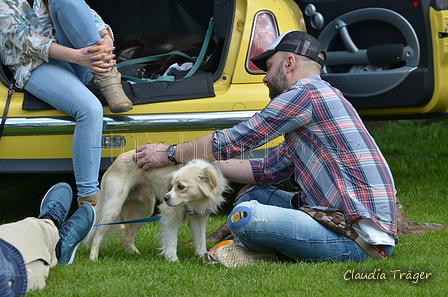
[[29, 248], [345, 208]]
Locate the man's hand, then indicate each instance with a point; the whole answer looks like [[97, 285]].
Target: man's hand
[[154, 155], [151, 156]]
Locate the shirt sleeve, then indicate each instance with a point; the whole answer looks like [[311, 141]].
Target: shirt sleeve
[[100, 24], [275, 167], [285, 113], [18, 32]]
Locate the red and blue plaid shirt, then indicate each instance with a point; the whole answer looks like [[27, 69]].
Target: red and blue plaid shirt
[[326, 147]]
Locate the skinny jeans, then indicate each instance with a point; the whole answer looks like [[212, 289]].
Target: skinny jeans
[[62, 85], [265, 222]]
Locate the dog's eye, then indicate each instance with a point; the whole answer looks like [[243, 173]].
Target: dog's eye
[[180, 187]]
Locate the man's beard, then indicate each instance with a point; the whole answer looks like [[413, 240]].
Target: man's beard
[[278, 85]]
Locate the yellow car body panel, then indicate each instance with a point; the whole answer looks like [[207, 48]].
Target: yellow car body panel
[[238, 94]]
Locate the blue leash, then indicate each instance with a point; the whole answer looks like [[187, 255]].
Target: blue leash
[[144, 220]]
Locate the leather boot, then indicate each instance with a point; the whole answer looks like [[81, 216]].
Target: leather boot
[[110, 86], [91, 199]]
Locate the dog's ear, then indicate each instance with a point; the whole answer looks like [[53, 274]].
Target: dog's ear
[[169, 179], [209, 181]]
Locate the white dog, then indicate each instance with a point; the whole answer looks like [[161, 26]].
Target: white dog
[[195, 189]]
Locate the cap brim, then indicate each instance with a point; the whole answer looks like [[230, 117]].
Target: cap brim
[[260, 60]]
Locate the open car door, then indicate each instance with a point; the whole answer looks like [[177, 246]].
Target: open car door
[[387, 57]]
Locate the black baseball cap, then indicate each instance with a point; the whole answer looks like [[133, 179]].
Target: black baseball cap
[[297, 42]]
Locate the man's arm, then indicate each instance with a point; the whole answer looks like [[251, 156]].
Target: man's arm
[[237, 170], [154, 155]]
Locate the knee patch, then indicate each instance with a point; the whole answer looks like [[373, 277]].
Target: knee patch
[[239, 217]]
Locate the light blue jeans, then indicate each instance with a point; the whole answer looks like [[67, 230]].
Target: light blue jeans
[[265, 222], [62, 85]]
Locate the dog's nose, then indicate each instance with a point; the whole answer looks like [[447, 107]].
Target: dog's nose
[[166, 197]]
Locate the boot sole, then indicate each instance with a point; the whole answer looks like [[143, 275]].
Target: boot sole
[[119, 111]]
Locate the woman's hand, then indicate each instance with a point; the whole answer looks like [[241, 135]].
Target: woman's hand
[[98, 57]]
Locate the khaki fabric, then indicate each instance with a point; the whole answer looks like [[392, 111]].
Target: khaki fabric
[[36, 240]]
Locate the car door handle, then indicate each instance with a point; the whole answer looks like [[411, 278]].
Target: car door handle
[[383, 54], [341, 27]]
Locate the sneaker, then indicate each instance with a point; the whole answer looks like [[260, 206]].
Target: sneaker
[[74, 231], [56, 203], [233, 254], [210, 256]]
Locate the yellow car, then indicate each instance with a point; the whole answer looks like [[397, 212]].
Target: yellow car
[[389, 58]]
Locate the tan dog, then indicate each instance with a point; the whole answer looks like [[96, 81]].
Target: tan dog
[[128, 192]]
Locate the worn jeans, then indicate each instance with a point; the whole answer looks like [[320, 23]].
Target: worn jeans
[[62, 85], [265, 222]]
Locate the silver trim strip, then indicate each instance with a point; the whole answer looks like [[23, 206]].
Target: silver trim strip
[[131, 123]]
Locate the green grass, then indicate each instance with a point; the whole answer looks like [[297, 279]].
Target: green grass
[[147, 274], [418, 156]]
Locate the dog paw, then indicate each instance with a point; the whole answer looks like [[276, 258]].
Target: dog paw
[[200, 252], [131, 250], [93, 257], [172, 258], [141, 72]]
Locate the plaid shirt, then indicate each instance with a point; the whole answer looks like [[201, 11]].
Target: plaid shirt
[[326, 147]]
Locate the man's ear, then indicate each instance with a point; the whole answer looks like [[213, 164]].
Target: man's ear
[[290, 62]]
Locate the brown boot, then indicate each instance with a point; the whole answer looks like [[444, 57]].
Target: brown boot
[[110, 86], [91, 199]]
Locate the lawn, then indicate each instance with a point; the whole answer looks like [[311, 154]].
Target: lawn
[[417, 152]]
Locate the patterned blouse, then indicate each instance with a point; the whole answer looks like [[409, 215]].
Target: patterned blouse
[[327, 150], [26, 36]]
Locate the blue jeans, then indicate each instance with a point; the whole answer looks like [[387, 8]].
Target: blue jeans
[[62, 85], [265, 222]]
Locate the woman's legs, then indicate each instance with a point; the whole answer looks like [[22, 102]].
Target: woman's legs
[[76, 28], [73, 22], [57, 84], [62, 85], [286, 231]]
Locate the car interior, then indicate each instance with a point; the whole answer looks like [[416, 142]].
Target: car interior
[[379, 53], [149, 17]]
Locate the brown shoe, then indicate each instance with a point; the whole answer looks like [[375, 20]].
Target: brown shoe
[[91, 199], [110, 86]]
